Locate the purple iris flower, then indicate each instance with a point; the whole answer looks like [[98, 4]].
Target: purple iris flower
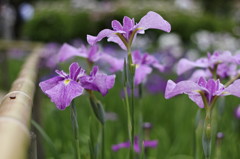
[[151, 20], [137, 145], [210, 89], [143, 65], [67, 51], [97, 81], [63, 88], [225, 61]]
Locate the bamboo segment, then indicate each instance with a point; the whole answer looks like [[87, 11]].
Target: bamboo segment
[[16, 109]]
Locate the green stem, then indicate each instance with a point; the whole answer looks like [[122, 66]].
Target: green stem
[[198, 152], [232, 80], [128, 114], [103, 141], [75, 129], [131, 68], [207, 134]]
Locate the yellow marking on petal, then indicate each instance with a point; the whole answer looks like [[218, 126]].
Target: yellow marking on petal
[[66, 81], [136, 65]]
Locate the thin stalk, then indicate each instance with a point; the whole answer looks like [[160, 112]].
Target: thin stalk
[[207, 134], [75, 129], [131, 68], [46, 138], [103, 141], [232, 80], [198, 152], [128, 114]]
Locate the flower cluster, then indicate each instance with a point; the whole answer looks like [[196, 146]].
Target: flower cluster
[[224, 63], [201, 90], [63, 88]]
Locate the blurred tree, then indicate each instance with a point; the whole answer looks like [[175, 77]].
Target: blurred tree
[[221, 7]]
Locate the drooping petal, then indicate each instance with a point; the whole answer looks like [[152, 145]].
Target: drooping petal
[[233, 89], [114, 38], [50, 83], [197, 99], [186, 65], [98, 82], [63, 93], [67, 51], [187, 87], [115, 63], [94, 54], [152, 20], [140, 73], [102, 34]]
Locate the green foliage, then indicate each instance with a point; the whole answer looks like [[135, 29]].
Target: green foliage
[[50, 26], [64, 25]]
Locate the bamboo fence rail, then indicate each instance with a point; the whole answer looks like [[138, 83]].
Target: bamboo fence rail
[[16, 109]]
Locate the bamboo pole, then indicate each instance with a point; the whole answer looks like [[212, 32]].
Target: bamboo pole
[[16, 109], [25, 45]]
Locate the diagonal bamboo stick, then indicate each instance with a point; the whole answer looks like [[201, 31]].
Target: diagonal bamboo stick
[[16, 109]]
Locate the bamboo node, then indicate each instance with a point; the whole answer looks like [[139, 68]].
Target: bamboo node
[[12, 95], [5, 119]]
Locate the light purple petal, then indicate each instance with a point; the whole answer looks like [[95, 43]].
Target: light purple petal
[[68, 51], [115, 64], [186, 65], [140, 73], [128, 24], [197, 99], [137, 57], [74, 71], [94, 54], [62, 94], [158, 66], [50, 83], [233, 89], [102, 34], [98, 82], [114, 38], [187, 87], [116, 25], [152, 20]]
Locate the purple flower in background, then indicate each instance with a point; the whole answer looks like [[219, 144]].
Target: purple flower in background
[[210, 89], [97, 81], [92, 54], [49, 55], [151, 20], [67, 51], [237, 112], [137, 145], [156, 84], [143, 65], [226, 65], [63, 88]]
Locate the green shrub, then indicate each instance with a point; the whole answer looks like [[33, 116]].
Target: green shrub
[[63, 26]]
